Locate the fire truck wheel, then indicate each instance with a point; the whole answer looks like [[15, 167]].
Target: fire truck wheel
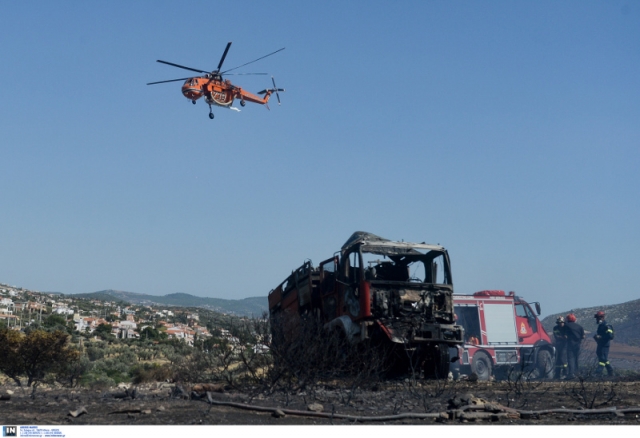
[[436, 366], [339, 349], [481, 365], [544, 365]]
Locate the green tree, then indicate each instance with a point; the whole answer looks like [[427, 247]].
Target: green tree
[[55, 320], [10, 362], [34, 355], [70, 373], [152, 334], [103, 331]]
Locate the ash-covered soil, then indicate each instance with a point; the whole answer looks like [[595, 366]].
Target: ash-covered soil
[[399, 402]]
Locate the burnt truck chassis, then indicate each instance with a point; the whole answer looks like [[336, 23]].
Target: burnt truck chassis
[[410, 316]]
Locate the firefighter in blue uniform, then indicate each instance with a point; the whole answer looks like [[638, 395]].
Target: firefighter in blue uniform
[[603, 338], [575, 335], [560, 340]]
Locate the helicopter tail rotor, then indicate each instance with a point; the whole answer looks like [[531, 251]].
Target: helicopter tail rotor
[[275, 90]]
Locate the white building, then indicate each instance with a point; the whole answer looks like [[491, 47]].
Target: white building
[[128, 334], [127, 325]]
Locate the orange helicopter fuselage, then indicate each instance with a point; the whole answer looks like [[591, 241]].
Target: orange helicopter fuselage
[[219, 92]]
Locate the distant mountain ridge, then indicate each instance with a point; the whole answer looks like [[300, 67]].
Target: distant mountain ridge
[[253, 306]]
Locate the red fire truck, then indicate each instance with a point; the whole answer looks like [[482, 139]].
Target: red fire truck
[[502, 333]]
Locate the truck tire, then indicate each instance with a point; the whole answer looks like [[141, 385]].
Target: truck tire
[[544, 365], [444, 362], [436, 365], [338, 353], [481, 365]]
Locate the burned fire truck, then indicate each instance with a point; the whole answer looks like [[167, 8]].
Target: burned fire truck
[[502, 334], [397, 293]]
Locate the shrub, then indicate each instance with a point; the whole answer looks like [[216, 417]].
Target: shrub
[[70, 374], [100, 382], [150, 372], [95, 353]]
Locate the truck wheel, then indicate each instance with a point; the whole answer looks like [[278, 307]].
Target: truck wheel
[[338, 350], [544, 365], [436, 365], [481, 365], [443, 360]]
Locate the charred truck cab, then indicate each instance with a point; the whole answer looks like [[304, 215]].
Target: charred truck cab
[[397, 293]]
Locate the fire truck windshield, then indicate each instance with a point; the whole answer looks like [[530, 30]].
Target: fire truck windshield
[[431, 268]]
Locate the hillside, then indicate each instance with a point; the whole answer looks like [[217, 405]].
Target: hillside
[[253, 306], [624, 317]]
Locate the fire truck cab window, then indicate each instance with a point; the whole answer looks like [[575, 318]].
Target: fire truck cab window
[[329, 266], [430, 268], [525, 312], [520, 311], [350, 267], [468, 317], [350, 272], [329, 276]]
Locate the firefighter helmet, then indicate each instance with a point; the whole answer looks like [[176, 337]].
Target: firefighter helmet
[[560, 319], [571, 317], [599, 315]]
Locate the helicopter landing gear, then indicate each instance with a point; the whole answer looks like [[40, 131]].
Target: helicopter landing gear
[[243, 103], [193, 102]]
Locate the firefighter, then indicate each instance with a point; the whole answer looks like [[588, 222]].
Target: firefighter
[[560, 340], [473, 340], [575, 335], [603, 338]]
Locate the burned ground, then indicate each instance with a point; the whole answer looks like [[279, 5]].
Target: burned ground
[[591, 401], [583, 401]]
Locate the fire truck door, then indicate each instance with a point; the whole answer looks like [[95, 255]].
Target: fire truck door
[[328, 289], [525, 321]]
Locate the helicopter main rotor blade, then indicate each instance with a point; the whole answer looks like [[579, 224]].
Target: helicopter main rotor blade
[[251, 62], [182, 66], [224, 55], [240, 74], [170, 80]]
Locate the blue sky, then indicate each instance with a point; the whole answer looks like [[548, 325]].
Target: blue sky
[[506, 131]]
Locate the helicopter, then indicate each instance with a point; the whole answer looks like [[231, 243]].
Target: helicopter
[[219, 91]]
